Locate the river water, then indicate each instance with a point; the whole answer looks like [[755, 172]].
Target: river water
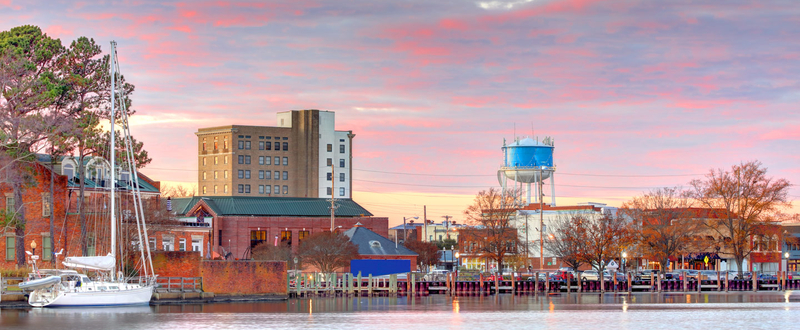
[[585, 311]]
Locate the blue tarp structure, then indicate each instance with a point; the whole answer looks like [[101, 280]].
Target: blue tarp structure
[[379, 267]]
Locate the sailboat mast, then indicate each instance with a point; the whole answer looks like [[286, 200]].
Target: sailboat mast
[[113, 171]]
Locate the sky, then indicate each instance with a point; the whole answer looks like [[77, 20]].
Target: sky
[[636, 94]]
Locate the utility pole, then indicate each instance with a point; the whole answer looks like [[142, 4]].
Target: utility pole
[[541, 221], [447, 225], [425, 222]]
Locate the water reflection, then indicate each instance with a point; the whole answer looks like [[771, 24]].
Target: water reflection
[[568, 311]]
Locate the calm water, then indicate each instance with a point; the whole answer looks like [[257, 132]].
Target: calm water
[[587, 311]]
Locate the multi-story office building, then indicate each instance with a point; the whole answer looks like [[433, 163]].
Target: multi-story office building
[[304, 156]]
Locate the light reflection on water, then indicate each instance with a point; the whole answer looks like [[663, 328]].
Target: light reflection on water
[[574, 311]]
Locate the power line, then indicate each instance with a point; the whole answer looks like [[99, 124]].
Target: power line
[[560, 173]]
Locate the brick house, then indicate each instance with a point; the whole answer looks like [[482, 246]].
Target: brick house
[[66, 225], [239, 223]]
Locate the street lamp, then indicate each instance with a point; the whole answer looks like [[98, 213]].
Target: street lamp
[[404, 228], [624, 255], [458, 260]]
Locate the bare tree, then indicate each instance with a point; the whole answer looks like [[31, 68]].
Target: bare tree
[[568, 242], [327, 251], [493, 211], [266, 251], [746, 199], [605, 237], [428, 252], [663, 226], [177, 191]]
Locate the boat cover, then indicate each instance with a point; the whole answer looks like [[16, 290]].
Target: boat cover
[[91, 263]]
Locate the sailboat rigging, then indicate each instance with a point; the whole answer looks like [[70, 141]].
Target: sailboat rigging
[[69, 287]]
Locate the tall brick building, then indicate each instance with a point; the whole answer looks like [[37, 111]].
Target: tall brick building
[[304, 156]]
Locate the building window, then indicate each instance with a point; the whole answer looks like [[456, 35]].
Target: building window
[[215, 189], [286, 237], [268, 190], [247, 189], [247, 159], [247, 145], [257, 237], [260, 145], [261, 189], [241, 159], [204, 175], [330, 162], [328, 191], [11, 253], [241, 144], [260, 160], [225, 174], [277, 190], [329, 176], [285, 175], [286, 146], [268, 160], [45, 204], [204, 161], [247, 174], [168, 243], [241, 174], [225, 189], [341, 148], [216, 143], [152, 243], [341, 162], [277, 161], [91, 247], [47, 247], [341, 177], [204, 144], [68, 171], [241, 188], [204, 190], [226, 159], [267, 175], [10, 204], [216, 175], [225, 143], [261, 175], [285, 161], [182, 244], [277, 175], [341, 191], [330, 147], [267, 145], [277, 146], [301, 235], [216, 160], [197, 245], [285, 190]]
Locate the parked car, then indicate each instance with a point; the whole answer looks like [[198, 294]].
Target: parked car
[[734, 275], [620, 276], [709, 275], [645, 274], [690, 274], [767, 277], [542, 277], [792, 275], [590, 275], [563, 275]]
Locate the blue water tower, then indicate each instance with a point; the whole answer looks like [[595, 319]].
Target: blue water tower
[[527, 161]]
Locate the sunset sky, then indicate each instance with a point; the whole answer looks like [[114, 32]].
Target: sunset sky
[[636, 94]]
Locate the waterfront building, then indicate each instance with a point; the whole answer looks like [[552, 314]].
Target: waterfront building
[[165, 233], [239, 223], [303, 156]]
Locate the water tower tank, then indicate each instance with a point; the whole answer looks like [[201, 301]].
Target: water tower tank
[[524, 159]]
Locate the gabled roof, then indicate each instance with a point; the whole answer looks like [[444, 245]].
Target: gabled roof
[[144, 185], [370, 243], [271, 206]]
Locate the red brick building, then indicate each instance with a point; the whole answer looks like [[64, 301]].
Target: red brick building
[[165, 233], [238, 223]]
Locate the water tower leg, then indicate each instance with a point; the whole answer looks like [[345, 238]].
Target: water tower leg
[[553, 189], [528, 190]]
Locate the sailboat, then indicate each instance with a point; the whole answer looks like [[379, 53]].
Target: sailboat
[[72, 288]]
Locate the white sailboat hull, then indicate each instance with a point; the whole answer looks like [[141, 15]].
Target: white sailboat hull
[[138, 295]]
